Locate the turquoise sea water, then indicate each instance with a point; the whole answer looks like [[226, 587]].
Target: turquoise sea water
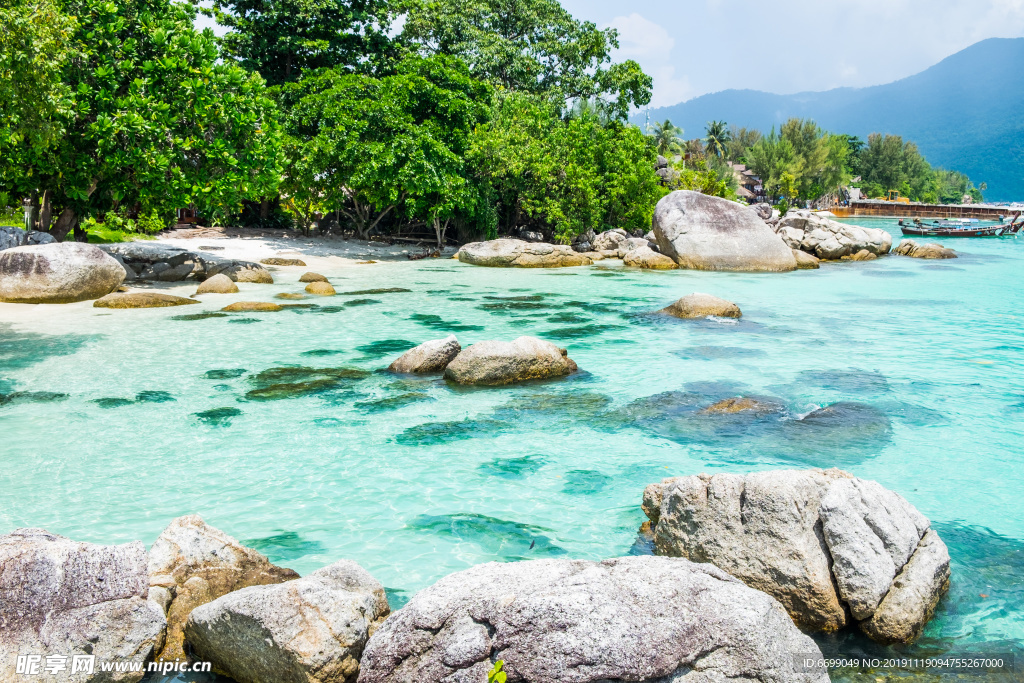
[[118, 421]]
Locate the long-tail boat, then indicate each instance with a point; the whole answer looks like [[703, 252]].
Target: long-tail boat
[[956, 229]]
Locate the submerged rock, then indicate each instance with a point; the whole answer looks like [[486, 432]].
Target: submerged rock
[[933, 250], [67, 598], [293, 296], [827, 545], [218, 284], [508, 253], [197, 564], [640, 619], [709, 233], [294, 382], [645, 257], [311, 629], [57, 273], [141, 300], [743, 404], [283, 262], [312, 277], [320, 289], [428, 357], [497, 362], [698, 305], [258, 306]]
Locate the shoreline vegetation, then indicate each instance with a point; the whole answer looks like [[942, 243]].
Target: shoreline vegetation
[[459, 127]]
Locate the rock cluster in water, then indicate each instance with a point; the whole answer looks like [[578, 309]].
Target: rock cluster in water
[[835, 550], [201, 595], [830, 240], [487, 363], [709, 233], [507, 253]]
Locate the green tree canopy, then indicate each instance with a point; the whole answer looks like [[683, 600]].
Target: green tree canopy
[[156, 121], [375, 147], [773, 159], [281, 39], [566, 175], [533, 46]]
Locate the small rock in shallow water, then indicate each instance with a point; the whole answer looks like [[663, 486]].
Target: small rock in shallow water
[[218, 284], [218, 417], [312, 277], [700, 305], [805, 261], [154, 397], [283, 262], [290, 295], [732, 406], [497, 362], [933, 250], [141, 300], [255, 306], [113, 402], [320, 289], [383, 290], [429, 357], [225, 374]]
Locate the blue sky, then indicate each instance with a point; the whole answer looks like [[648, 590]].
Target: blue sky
[[693, 47]]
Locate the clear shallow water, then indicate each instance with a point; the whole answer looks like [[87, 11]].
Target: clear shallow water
[[166, 416]]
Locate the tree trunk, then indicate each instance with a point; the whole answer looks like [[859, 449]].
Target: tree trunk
[[264, 208], [66, 222], [46, 211], [33, 219]]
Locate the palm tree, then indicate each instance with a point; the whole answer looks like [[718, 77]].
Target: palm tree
[[667, 137], [718, 137]]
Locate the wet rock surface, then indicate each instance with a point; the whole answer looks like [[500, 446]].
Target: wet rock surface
[[429, 357], [931, 250]]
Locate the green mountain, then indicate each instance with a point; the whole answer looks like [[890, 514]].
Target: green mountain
[[965, 113]]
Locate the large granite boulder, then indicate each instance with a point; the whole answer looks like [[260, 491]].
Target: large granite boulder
[[509, 253], [57, 273], [710, 233], [428, 357], [932, 250], [191, 564], [833, 549], [497, 362], [11, 237], [570, 621], [829, 239], [699, 305], [310, 630], [645, 257], [61, 597]]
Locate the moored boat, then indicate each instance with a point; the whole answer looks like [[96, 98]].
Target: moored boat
[[960, 228]]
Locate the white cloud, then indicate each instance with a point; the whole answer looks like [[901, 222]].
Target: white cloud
[[651, 46]]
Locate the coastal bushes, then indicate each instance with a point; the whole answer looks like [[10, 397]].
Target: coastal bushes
[[323, 111]]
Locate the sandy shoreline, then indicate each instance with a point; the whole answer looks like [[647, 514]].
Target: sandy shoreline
[[319, 254]]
